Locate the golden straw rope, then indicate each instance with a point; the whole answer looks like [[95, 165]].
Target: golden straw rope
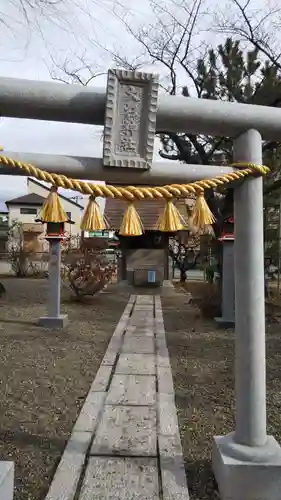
[[133, 193]]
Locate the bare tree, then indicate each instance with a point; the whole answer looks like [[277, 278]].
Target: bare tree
[[168, 35], [172, 40], [87, 269], [259, 27], [24, 10], [184, 250], [79, 73], [19, 19], [171, 35], [176, 38]]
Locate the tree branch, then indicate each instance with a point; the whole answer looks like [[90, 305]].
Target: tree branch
[[252, 33]]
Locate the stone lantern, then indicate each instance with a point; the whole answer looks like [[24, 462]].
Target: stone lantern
[[227, 319], [55, 233]]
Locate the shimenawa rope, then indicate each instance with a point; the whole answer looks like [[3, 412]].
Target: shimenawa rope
[[170, 221]]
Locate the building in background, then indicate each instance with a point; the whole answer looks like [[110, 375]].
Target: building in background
[[24, 209], [73, 209]]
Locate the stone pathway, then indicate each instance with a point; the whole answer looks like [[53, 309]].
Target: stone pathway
[[125, 444]]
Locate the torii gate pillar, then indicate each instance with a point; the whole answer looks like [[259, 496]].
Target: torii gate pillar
[[247, 462]]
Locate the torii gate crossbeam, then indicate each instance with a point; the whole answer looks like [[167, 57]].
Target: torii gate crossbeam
[[81, 167], [20, 98]]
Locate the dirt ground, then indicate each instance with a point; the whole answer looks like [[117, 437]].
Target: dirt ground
[[45, 376], [202, 359]]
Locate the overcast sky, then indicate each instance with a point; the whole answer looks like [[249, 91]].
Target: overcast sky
[[34, 55], [83, 29]]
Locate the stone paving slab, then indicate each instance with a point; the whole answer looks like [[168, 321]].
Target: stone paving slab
[[88, 417], [141, 309], [126, 430], [7, 473], [132, 390], [173, 479], [168, 420], [136, 364], [170, 446], [145, 299], [142, 322], [110, 358], [64, 484], [165, 380], [163, 358], [121, 479], [101, 381], [136, 344], [149, 305], [115, 343], [126, 442], [141, 331]]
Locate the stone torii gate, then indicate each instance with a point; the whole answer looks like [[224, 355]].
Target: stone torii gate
[[247, 462]]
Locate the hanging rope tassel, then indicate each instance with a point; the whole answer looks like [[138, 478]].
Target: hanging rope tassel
[[92, 219], [171, 220], [131, 223], [202, 216], [52, 209]]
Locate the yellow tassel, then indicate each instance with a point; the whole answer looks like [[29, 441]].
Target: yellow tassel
[[131, 223], [202, 216], [171, 220], [92, 219], [52, 209]]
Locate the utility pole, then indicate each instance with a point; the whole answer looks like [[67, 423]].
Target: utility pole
[[76, 198]]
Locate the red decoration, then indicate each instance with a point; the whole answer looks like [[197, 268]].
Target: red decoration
[[55, 230]]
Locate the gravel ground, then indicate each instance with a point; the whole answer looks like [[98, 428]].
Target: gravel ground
[[202, 360], [45, 376]]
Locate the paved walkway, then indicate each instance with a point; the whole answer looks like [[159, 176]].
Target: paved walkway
[[125, 444]]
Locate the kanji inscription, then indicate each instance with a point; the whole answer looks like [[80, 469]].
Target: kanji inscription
[[130, 119]]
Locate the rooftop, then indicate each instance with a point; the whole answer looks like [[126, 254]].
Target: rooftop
[[34, 181], [27, 199], [148, 210]]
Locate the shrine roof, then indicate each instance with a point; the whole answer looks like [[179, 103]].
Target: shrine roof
[[148, 210]]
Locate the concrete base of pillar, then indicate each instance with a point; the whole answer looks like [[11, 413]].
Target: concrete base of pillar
[[225, 322], [7, 473], [53, 322], [247, 473]]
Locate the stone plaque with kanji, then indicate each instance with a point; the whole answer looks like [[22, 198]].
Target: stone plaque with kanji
[[130, 119]]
